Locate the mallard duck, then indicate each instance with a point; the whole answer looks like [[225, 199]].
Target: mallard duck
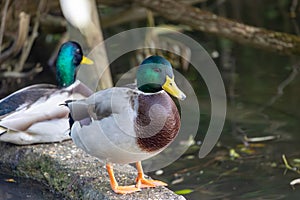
[[33, 114], [124, 125]]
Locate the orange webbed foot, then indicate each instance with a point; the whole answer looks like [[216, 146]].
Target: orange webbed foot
[[141, 182], [114, 185], [125, 189]]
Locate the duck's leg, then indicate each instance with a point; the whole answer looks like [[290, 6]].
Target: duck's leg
[[114, 184], [141, 182]]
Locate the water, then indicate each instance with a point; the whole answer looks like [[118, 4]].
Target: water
[[263, 98], [253, 80], [15, 188]]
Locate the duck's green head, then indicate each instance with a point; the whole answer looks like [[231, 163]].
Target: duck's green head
[[154, 74], [69, 57]]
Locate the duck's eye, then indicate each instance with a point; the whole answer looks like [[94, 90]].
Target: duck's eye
[[77, 50], [157, 70], [171, 84]]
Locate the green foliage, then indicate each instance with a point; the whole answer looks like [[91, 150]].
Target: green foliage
[[184, 191]]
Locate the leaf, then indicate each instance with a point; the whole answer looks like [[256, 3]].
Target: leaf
[[184, 191], [233, 154], [10, 180]]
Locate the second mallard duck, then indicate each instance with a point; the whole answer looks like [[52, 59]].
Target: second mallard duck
[[123, 125], [34, 114]]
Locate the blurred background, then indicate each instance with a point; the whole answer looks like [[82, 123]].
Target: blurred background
[[254, 43]]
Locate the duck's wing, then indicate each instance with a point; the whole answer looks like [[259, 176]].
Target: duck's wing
[[45, 109], [103, 124], [103, 104], [24, 98]]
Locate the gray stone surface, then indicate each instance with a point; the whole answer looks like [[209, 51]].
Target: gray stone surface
[[72, 172]]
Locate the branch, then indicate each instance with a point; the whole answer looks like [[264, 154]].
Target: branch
[[13, 74], [133, 13], [125, 16], [28, 45], [205, 21], [128, 2], [3, 23], [208, 22], [282, 86], [22, 36], [93, 36]]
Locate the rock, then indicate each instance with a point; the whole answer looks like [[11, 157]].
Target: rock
[[72, 172]]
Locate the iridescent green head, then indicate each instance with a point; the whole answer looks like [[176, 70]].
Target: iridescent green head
[[155, 74], [69, 57]]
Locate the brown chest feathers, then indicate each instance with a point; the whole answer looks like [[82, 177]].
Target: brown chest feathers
[[157, 122]]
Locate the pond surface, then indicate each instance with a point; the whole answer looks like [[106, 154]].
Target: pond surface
[[263, 96], [15, 188], [262, 100]]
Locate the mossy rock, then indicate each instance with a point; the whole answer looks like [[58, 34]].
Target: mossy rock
[[71, 172]]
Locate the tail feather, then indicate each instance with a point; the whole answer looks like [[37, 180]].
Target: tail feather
[[78, 112], [3, 130], [71, 122]]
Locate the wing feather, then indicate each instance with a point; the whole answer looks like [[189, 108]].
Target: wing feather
[[103, 104], [24, 98]]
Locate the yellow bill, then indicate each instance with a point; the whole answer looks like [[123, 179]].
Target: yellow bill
[[86, 61], [171, 87]]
